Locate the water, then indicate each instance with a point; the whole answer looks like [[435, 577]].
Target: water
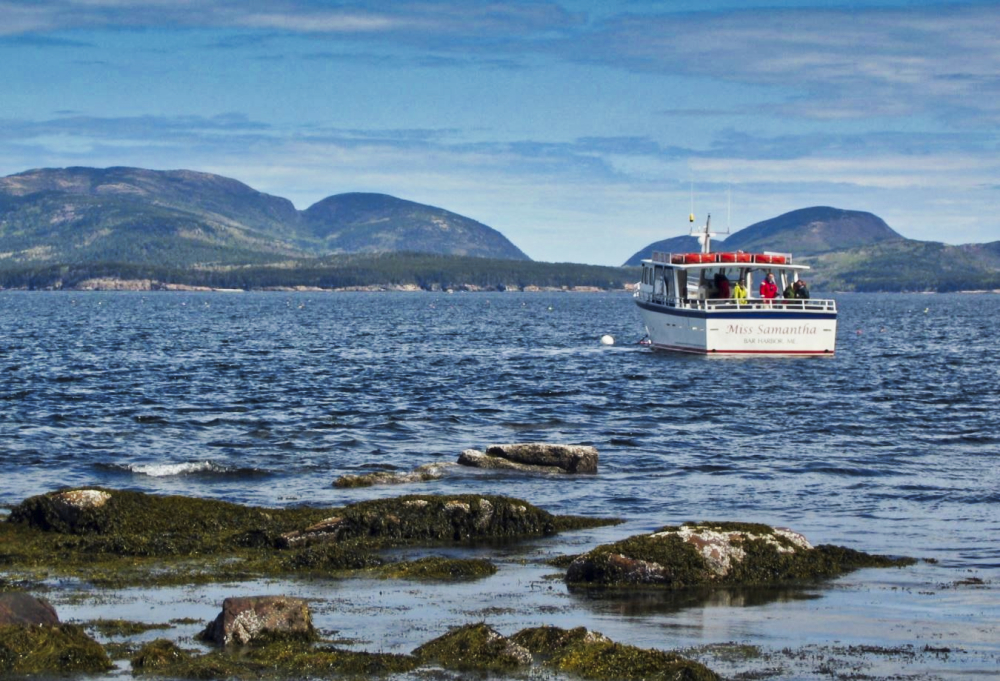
[[891, 446]]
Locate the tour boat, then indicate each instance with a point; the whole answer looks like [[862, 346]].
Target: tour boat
[[679, 303]]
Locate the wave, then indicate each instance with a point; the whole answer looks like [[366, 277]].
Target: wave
[[193, 468]]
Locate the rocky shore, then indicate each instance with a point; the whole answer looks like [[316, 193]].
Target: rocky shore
[[118, 538]]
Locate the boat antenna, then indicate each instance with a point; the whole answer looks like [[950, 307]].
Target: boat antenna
[[691, 215]]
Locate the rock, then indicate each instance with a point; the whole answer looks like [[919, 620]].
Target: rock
[[474, 647], [69, 511], [246, 619], [476, 459], [328, 530], [20, 608], [593, 655], [424, 473], [699, 554], [570, 458]]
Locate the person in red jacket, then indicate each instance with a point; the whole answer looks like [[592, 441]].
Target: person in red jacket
[[768, 288]]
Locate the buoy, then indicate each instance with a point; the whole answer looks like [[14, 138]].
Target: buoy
[[607, 339]]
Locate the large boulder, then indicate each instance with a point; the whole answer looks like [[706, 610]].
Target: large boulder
[[716, 553], [477, 459], [19, 608], [567, 458], [244, 620]]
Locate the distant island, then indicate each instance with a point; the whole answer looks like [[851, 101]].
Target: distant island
[[132, 228]]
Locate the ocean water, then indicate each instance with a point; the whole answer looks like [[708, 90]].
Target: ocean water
[[891, 446]]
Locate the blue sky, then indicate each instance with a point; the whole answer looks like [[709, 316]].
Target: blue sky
[[576, 128]]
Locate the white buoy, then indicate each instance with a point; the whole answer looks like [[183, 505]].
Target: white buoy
[[607, 340]]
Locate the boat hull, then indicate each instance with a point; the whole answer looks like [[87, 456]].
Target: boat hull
[[747, 332]]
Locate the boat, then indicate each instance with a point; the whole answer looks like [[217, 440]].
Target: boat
[[678, 298]]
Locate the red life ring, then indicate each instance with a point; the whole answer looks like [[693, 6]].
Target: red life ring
[[763, 259], [677, 259], [778, 259], [727, 257], [690, 258], [744, 257]]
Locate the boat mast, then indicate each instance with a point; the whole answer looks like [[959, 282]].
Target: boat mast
[[704, 235]]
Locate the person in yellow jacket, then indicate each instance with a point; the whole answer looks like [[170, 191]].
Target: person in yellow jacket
[[740, 292]]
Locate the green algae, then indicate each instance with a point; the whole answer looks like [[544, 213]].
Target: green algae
[[153, 540], [593, 656], [61, 649], [119, 627], [609, 660], [552, 641], [438, 568], [474, 647], [275, 659]]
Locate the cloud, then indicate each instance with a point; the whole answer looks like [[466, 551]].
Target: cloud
[[843, 64], [479, 19]]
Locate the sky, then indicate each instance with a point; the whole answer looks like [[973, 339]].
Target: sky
[[581, 130]]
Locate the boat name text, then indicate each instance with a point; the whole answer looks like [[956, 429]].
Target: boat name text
[[762, 329]]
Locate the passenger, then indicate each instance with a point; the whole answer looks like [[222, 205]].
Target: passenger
[[789, 292], [740, 292], [801, 289], [721, 286], [768, 289]]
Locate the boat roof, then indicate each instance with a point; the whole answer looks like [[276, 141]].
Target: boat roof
[[765, 260]]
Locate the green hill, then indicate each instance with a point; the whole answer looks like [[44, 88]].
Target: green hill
[[809, 231], [183, 219], [372, 223]]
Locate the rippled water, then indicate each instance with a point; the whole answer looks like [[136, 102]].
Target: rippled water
[[890, 446]]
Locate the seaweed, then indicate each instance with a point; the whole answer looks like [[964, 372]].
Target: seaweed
[[608, 660], [110, 628], [50, 649], [131, 538], [474, 647], [275, 659], [439, 568]]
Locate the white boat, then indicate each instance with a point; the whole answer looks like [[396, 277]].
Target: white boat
[[680, 305]]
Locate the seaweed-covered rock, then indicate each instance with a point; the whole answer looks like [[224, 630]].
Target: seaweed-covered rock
[[474, 647], [473, 458], [136, 524], [435, 518], [593, 655], [550, 641], [20, 608], [424, 473], [569, 458], [607, 660], [246, 619], [158, 655], [716, 553], [45, 649]]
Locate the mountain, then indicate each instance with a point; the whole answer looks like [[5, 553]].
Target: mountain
[[809, 231], [369, 223], [183, 218], [677, 244], [857, 251]]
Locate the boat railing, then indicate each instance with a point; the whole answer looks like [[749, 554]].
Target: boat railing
[[732, 304]]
